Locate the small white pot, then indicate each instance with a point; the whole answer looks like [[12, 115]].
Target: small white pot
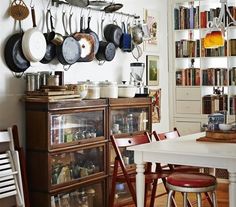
[[126, 91]]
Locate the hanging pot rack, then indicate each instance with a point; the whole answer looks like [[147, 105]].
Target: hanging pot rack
[[58, 2]]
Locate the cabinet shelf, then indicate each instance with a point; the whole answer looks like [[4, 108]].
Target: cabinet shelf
[[189, 22]]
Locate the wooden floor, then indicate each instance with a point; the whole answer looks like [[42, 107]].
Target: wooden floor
[[222, 197]]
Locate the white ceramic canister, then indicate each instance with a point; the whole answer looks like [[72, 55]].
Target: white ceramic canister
[[126, 91], [93, 90], [108, 89]]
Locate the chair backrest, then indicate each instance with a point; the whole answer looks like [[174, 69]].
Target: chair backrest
[[123, 143], [166, 135], [10, 175]]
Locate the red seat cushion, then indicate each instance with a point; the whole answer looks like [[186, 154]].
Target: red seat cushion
[[194, 180]]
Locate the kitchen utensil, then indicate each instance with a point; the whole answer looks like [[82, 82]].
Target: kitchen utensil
[[125, 40], [94, 35], [106, 50], [86, 42], [14, 56], [113, 7], [69, 51], [96, 4], [137, 33], [51, 48], [79, 3], [33, 42], [113, 33]]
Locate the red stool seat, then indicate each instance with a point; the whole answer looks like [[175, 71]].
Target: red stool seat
[[193, 180]]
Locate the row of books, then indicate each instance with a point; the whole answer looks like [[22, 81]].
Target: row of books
[[214, 77], [187, 48], [186, 18], [213, 103], [232, 76], [188, 77], [232, 105], [232, 47], [191, 18]]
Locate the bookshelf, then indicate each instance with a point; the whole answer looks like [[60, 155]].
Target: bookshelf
[[202, 80]]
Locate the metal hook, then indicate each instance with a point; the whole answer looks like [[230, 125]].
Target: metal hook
[[113, 18], [81, 12], [89, 11], [71, 7], [31, 4], [48, 6], [103, 15], [127, 21]]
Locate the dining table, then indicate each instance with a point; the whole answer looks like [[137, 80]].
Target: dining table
[[186, 150]]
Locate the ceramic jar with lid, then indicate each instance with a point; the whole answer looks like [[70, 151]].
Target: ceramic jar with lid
[[108, 89], [93, 90], [126, 90]]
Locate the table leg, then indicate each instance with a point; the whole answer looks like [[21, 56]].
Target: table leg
[[232, 189], [140, 184]]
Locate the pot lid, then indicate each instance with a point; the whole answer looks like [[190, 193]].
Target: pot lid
[[96, 4], [113, 7], [107, 83]]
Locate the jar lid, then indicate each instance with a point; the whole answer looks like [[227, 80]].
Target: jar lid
[[107, 83], [137, 64], [91, 83]]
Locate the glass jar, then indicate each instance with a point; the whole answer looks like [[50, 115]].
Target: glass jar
[[93, 90]]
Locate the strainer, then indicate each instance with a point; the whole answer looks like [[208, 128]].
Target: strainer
[[18, 10]]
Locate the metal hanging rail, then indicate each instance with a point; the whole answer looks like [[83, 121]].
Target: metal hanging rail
[[58, 2]]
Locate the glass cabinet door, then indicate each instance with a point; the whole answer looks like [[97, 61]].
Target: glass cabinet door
[[92, 195], [129, 120], [79, 164], [78, 127]]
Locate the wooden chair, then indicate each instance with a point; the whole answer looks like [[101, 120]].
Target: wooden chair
[[178, 168], [10, 173], [128, 177]]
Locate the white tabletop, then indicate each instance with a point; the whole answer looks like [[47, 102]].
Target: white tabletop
[[186, 150]]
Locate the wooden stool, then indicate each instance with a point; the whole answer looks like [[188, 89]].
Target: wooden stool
[[191, 183]]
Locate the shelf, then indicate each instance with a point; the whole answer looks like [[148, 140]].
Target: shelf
[[58, 2]]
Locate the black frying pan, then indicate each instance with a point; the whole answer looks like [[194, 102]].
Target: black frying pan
[[14, 56], [51, 48], [69, 51]]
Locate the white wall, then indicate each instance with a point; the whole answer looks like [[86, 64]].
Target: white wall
[[12, 89]]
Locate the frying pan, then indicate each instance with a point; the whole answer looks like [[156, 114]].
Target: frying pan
[[94, 35], [51, 48], [86, 42], [69, 51], [14, 56], [113, 33], [33, 42], [106, 50]]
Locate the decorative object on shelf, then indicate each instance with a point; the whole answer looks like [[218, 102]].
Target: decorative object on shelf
[[151, 30], [215, 37], [156, 105], [152, 70]]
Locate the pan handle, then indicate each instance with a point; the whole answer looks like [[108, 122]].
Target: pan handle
[[47, 18], [51, 22], [33, 16], [63, 22]]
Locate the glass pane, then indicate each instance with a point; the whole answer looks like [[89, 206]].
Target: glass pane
[[87, 196], [129, 120], [82, 126], [79, 164]]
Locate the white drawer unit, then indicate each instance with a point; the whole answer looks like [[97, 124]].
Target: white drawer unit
[[187, 93], [188, 127], [188, 107]]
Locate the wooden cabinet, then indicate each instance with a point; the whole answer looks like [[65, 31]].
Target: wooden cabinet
[[68, 148]]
